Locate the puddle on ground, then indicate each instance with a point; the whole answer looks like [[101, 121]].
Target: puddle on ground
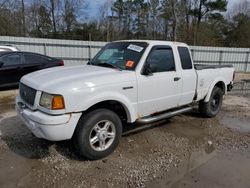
[[195, 159], [240, 125], [204, 170], [19, 153], [195, 132], [15, 168]]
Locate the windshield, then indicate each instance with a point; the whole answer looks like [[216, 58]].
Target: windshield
[[120, 55]]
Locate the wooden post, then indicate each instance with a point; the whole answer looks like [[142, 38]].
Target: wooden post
[[246, 61], [220, 57], [44, 49], [89, 47]]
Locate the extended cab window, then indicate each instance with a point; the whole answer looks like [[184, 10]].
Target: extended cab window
[[162, 59], [185, 58], [11, 59]]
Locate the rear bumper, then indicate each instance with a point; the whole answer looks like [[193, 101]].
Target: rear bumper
[[49, 127]]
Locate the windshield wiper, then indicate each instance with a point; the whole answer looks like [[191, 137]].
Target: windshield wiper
[[110, 65]]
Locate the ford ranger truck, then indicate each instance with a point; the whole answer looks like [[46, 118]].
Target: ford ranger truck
[[129, 81]]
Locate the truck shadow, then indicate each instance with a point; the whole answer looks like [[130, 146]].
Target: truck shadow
[[136, 128], [20, 140], [194, 113]]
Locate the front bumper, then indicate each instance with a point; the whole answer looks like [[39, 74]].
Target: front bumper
[[49, 127]]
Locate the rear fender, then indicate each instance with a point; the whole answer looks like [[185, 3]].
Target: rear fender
[[212, 87]]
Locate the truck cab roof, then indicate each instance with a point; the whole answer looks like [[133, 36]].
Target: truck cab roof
[[157, 42]]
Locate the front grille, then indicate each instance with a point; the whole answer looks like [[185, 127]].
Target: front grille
[[27, 93]]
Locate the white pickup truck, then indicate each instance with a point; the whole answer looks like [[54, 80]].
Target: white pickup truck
[[127, 81]]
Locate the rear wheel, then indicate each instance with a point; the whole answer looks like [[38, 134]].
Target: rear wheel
[[97, 134], [212, 107]]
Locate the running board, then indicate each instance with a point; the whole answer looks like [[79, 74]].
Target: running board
[[151, 119]]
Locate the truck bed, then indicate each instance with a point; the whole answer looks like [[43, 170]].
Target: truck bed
[[207, 66], [207, 74]]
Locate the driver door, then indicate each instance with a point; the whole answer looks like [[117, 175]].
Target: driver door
[[160, 90]]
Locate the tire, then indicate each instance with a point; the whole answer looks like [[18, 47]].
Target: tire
[[97, 134], [212, 107]]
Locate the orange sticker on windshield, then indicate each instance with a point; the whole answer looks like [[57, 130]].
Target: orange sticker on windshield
[[130, 64]]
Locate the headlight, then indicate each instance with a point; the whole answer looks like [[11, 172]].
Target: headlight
[[53, 102]]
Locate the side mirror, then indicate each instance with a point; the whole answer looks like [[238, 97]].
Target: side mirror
[[149, 68]]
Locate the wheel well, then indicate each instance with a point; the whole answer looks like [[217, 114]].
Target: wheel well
[[112, 105], [221, 85]]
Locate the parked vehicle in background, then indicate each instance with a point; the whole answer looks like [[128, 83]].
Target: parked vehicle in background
[[5, 48], [14, 65], [127, 81]]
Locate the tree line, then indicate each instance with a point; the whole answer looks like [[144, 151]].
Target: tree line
[[196, 22]]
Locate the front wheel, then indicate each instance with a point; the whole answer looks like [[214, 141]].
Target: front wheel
[[212, 107], [97, 134]]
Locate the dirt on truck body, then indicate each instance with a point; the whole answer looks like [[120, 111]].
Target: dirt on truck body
[[184, 151]]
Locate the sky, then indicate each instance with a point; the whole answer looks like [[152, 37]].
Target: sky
[[94, 6], [231, 3]]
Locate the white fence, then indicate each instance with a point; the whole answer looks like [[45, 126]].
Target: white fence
[[75, 52]]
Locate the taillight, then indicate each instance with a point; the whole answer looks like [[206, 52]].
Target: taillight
[[61, 63]]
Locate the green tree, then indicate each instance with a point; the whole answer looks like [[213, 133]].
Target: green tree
[[118, 8], [128, 18], [44, 21], [201, 8], [211, 31], [53, 4], [153, 9], [169, 12], [69, 16], [23, 18], [141, 17], [237, 34], [184, 17]]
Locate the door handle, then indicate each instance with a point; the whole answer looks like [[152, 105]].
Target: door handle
[[177, 79]]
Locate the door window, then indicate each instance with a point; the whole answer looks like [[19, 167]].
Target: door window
[[11, 59], [162, 59], [35, 59]]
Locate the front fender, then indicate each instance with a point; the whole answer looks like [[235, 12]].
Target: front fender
[[211, 87], [130, 107]]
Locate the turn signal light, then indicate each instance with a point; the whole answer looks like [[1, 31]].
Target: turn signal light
[[57, 102]]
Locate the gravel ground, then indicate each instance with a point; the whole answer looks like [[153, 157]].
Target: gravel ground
[[242, 76], [148, 156]]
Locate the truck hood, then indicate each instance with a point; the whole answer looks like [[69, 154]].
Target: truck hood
[[58, 79]]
